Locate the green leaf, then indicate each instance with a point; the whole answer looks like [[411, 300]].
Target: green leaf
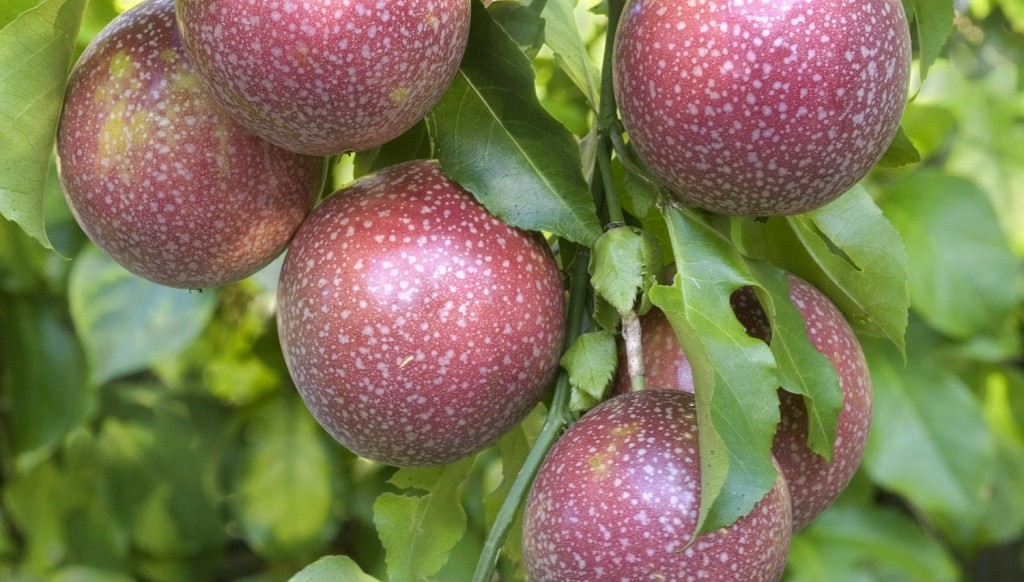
[[49, 400], [285, 483], [591, 362], [849, 251], [625, 261], [802, 368], [127, 323], [735, 377], [522, 23], [901, 151], [932, 23], [854, 543], [929, 440], [38, 502], [87, 574], [563, 36], [332, 569], [419, 531], [963, 276], [493, 137], [36, 48]]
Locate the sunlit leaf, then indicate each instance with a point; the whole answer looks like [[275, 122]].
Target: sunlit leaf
[[420, 528], [563, 36], [36, 49], [285, 483], [735, 376], [625, 261], [493, 137]]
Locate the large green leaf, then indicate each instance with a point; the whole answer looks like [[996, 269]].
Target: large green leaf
[[848, 250], [853, 543], [963, 276], [929, 440], [48, 399], [285, 482], [36, 48], [735, 376], [493, 137], [127, 323], [332, 569], [420, 528]]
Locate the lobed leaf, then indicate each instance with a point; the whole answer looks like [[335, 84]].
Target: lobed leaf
[[802, 368], [493, 137], [419, 531], [118, 340], [849, 251], [36, 48], [735, 376]]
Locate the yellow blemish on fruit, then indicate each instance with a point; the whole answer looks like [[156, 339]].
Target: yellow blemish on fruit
[[169, 56], [431, 20], [625, 430], [120, 65], [399, 95]]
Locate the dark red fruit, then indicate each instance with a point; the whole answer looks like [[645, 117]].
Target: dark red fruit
[[761, 107], [617, 499], [329, 76], [813, 482], [158, 176], [417, 326]]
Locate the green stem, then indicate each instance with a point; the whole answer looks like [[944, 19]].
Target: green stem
[[607, 116], [553, 425]]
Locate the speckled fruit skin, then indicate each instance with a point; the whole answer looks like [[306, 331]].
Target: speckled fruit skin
[[813, 482], [761, 107], [329, 76], [158, 176], [418, 327], [617, 497]]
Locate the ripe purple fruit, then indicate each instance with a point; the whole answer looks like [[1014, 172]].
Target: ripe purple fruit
[[158, 176], [761, 107], [814, 483], [617, 499], [417, 327], [330, 76]]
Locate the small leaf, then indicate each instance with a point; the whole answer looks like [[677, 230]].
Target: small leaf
[[625, 261], [332, 569], [735, 377], [36, 48], [414, 144], [849, 251], [565, 40], [284, 484], [912, 449], [901, 151], [127, 323], [932, 23], [419, 531], [802, 368], [864, 543], [494, 138], [591, 362], [522, 23], [963, 275]]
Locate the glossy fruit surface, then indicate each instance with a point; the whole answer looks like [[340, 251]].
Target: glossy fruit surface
[[418, 327], [814, 483], [158, 176], [761, 107], [329, 76], [617, 499]]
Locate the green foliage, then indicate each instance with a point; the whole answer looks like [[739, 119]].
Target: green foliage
[[36, 47], [152, 434]]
